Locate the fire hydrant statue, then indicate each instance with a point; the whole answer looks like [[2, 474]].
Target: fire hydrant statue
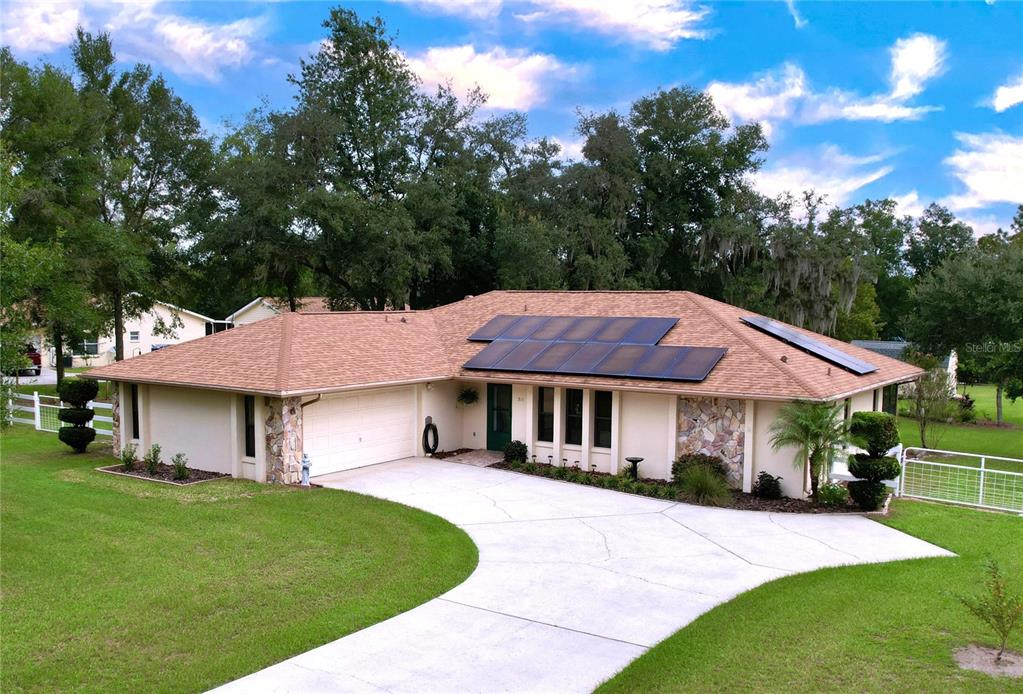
[[305, 470]]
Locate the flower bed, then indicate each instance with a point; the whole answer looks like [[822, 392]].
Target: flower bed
[[660, 489], [164, 473]]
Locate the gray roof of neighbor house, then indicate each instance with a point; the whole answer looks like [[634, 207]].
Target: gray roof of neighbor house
[[305, 353], [894, 349]]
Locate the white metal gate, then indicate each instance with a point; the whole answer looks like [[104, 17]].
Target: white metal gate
[[984, 481], [42, 411]]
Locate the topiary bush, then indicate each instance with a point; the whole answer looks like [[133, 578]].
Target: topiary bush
[[875, 432], [703, 484], [767, 486], [832, 495], [77, 392], [515, 450], [872, 469], [689, 460], [868, 495], [78, 438], [76, 416]]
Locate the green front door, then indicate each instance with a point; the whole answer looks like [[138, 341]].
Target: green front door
[[499, 407]]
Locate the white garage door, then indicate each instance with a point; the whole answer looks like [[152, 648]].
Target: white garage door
[[351, 430]]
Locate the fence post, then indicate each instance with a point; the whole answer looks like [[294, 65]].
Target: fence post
[[980, 500], [902, 476], [38, 414]]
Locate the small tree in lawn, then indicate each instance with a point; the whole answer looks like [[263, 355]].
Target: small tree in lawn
[[817, 431], [932, 401], [998, 608], [77, 392]]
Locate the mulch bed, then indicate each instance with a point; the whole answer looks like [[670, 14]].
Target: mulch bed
[[165, 473], [740, 500], [441, 455]]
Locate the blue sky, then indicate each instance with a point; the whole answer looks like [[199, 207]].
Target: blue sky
[[913, 100]]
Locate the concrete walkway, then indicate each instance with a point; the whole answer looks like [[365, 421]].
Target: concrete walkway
[[573, 582]]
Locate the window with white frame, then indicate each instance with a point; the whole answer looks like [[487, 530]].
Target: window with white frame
[[602, 418], [573, 416], [133, 336]]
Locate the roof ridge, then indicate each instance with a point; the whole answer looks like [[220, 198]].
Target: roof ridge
[[781, 366], [284, 351]]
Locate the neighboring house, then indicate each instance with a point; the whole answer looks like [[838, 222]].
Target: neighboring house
[[142, 334], [896, 349], [597, 380], [263, 307]]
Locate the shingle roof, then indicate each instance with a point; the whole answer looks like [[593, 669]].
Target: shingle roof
[[298, 353]]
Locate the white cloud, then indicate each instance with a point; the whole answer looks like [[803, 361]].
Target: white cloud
[[786, 94], [512, 79], [827, 171], [915, 60], [794, 11], [38, 27], [142, 30], [657, 24], [985, 224], [909, 203], [571, 147], [1009, 94], [477, 9], [990, 167]]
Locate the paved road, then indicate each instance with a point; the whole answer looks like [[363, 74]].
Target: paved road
[[573, 582], [48, 376]]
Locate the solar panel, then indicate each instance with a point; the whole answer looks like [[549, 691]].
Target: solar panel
[[621, 360], [487, 357], [808, 344], [694, 364], [520, 355], [656, 361], [493, 328], [554, 328], [614, 329], [649, 331], [583, 329], [585, 358], [554, 356], [524, 327]]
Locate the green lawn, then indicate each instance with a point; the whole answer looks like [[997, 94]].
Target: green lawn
[[984, 399], [875, 628], [112, 584]]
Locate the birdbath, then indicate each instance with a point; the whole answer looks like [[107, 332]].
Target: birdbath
[[634, 472]]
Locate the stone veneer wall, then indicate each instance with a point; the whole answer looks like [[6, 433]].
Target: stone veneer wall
[[284, 440], [714, 426], [115, 415]]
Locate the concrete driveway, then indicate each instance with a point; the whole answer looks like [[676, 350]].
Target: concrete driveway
[[573, 582]]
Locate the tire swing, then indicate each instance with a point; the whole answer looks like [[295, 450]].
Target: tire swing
[[431, 439]]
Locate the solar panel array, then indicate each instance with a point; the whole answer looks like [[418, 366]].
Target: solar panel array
[[590, 346], [808, 344]]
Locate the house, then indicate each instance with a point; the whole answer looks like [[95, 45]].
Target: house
[[896, 349], [164, 324], [266, 307], [602, 376]]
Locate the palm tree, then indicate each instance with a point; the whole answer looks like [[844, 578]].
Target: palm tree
[[817, 430]]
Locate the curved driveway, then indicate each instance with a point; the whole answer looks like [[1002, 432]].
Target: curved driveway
[[573, 582]]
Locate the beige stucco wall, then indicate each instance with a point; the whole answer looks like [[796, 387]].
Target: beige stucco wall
[[765, 459], [439, 400], [474, 417], [648, 431], [194, 422]]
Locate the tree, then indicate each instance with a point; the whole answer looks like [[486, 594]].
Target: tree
[[931, 399], [938, 235], [153, 166], [973, 303], [862, 320], [997, 607], [817, 431], [886, 233], [49, 180]]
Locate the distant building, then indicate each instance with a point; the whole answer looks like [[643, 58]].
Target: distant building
[[896, 349], [263, 307]]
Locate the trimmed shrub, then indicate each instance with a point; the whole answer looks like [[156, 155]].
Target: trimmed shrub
[[128, 458], [767, 486], [967, 412], [832, 495], [180, 463], [515, 450], [76, 416], [689, 460], [152, 459], [876, 432], [868, 495], [77, 437], [78, 391], [871, 469], [703, 484]]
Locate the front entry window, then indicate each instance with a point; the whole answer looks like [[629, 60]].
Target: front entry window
[[574, 416], [602, 419], [545, 414], [250, 426]]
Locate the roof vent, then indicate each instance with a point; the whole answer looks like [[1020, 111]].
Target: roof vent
[[404, 320], [785, 359]]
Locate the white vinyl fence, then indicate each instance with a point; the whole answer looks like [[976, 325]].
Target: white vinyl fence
[[41, 411], [984, 481]]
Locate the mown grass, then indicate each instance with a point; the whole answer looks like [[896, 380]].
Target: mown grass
[[117, 585], [874, 628]]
